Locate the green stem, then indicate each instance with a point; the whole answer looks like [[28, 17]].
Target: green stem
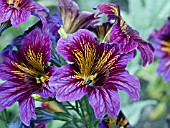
[[81, 107], [78, 112], [89, 111]]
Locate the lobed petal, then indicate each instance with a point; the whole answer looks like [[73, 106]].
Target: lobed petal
[[163, 68], [122, 80], [19, 16], [37, 42], [11, 92], [72, 19], [146, 51], [26, 110], [5, 11], [68, 88], [22, 12], [66, 47], [117, 36], [104, 100], [109, 9]]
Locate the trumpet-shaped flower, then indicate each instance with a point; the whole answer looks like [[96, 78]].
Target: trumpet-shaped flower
[[95, 70], [25, 73], [18, 11]]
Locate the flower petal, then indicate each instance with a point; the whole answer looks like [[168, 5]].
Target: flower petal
[[117, 36], [109, 9], [39, 43], [146, 52], [164, 69], [66, 47], [26, 110], [47, 91], [104, 100], [11, 92], [5, 11], [19, 16], [73, 20], [68, 88], [122, 80]]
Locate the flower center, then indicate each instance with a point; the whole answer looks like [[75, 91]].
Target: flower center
[[93, 64], [166, 46], [14, 3], [90, 80], [42, 80]]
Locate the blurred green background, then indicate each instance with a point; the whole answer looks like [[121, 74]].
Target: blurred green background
[[152, 110]]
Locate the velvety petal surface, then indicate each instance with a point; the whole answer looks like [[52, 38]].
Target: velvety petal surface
[[163, 68], [72, 19], [19, 16], [11, 92], [122, 80], [66, 47], [109, 9], [146, 51], [49, 90], [26, 110], [126, 43], [20, 12], [104, 100], [39, 43], [68, 87]]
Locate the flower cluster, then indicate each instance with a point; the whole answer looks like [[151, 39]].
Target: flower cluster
[[161, 41], [69, 57]]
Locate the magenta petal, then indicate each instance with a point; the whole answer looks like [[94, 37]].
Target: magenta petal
[[26, 110], [47, 91], [163, 69], [39, 43], [104, 100], [122, 62], [8, 94], [5, 12], [67, 46], [19, 16], [146, 53], [109, 9], [11, 92], [126, 43], [122, 80], [68, 88], [70, 91]]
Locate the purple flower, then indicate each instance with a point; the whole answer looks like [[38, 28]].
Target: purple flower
[[127, 38], [109, 9], [54, 23], [96, 70], [25, 73], [72, 18], [161, 40], [18, 11]]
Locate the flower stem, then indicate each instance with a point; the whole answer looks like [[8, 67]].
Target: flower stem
[[88, 111], [78, 112]]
